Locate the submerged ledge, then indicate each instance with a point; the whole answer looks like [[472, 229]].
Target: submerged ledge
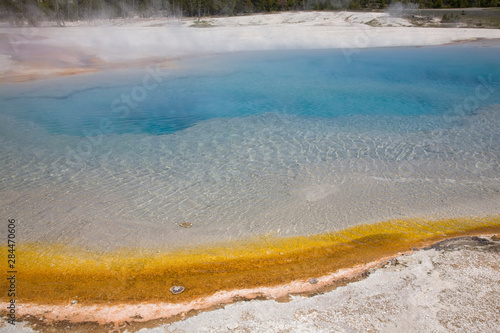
[[133, 284]]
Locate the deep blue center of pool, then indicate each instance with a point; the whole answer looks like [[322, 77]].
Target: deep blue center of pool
[[327, 83]]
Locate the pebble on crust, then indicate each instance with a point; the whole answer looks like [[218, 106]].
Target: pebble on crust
[[176, 290]]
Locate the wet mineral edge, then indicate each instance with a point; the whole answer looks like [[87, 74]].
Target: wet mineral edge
[[138, 285], [449, 286]]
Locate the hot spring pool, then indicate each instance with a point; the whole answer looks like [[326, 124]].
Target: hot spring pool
[[279, 142]]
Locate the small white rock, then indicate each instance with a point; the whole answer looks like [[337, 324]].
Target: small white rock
[[176, 290], [232, 326]]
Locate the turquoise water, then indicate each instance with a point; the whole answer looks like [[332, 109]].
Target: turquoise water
[[288, 142], [400, 82]]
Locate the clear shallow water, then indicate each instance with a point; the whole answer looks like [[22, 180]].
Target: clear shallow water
[[293, 142]]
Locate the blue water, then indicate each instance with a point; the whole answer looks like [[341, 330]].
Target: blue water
[[282, 142], [392, 81]]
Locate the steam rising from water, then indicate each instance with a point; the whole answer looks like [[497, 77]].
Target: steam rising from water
[[398, 9]]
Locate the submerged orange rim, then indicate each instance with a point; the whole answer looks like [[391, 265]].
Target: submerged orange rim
[[57, 273]]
